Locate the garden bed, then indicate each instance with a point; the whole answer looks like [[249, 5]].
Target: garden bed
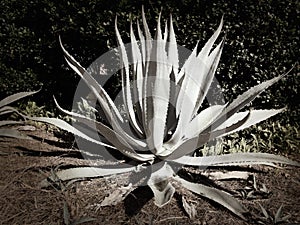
[[25, 163]]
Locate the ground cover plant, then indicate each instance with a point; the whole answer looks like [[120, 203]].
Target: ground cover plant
[[167, 124]]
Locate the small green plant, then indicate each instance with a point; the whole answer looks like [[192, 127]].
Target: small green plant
[[254, 191], [32, 109], [269, 136], [276, 219], [85, 109], [166, 124]]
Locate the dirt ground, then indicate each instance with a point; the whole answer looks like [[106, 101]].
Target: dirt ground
[[25, 163]]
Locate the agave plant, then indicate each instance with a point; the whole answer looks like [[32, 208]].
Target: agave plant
[[6, 109], [163, 103]]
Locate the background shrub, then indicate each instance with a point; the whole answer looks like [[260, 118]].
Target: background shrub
[[262, 39]]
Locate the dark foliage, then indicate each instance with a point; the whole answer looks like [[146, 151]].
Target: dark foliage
[[262, 38]]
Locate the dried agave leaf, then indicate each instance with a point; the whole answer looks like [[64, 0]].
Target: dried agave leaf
[[220, 175], [117, 195], [13, 134], [7, 109], [189, 208], [10, 122]]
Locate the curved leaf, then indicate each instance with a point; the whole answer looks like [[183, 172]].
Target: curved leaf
[[242, 100], [126, 89], [235, 159], [203, 120], [221, 197], [84, 172], [113, 137], [187, 146], [15, 97], [255, 117], [69, 128]]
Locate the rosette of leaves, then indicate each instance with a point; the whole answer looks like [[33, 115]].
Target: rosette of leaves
[[5, 110], [162, 103]]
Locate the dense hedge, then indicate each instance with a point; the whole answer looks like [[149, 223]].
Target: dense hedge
[[261, 41]]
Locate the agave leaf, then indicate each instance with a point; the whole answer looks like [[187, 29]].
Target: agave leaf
[[138, 66], [127, 95], [161, 89], [188, 96], [187, 64], [161, 187], [148, 37], [106, 102], [9, 122], [221, 197], [142, 47], [171, 115], [236, 159], [69, 128], [145, 53], [207, 47], [221, 175], [203, 120], [242, 100], [67, 216], [146, 28], [113, 137], [13, 134], [187, 146], [211, 64], [84, 172], [166, 34], [173, 58], [196, 83], [7, 109], [15, 97], [255, 117], [131, 140], [249, 95]]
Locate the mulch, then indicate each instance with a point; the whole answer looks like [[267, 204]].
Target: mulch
[[25, 163]]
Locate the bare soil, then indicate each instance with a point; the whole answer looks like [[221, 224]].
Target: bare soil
[[25, 163]]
